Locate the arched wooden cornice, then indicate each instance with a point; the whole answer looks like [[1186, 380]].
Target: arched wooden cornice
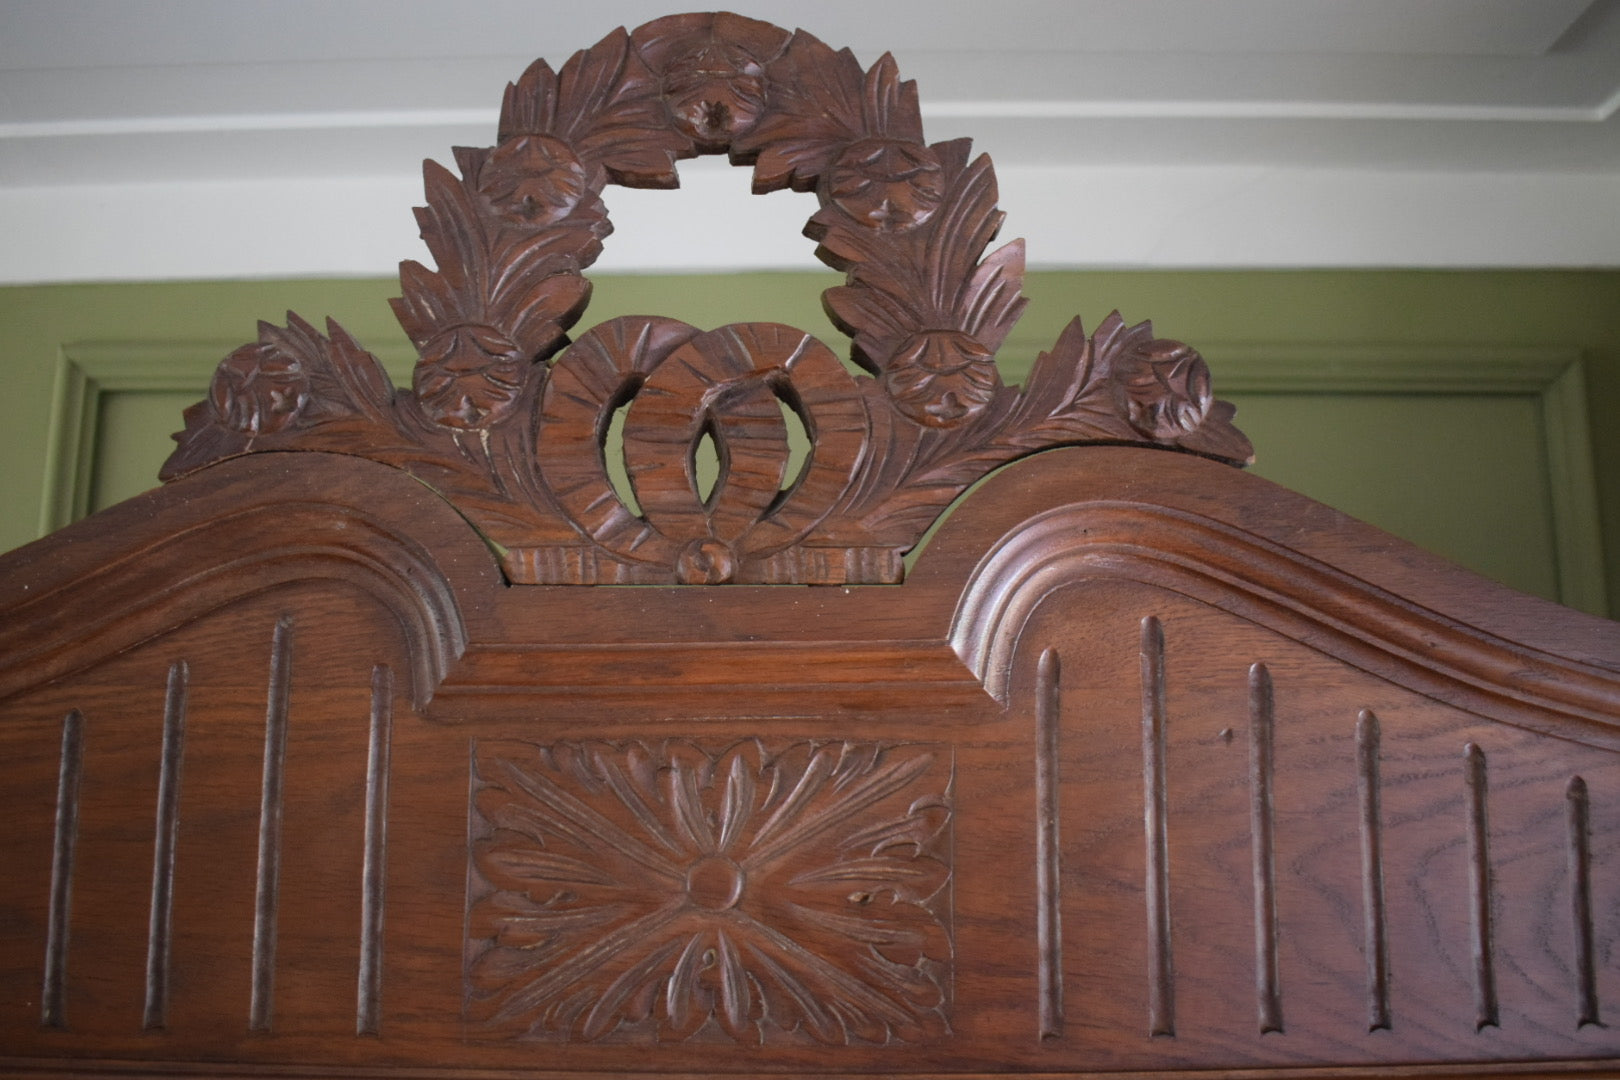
[[172, 556]]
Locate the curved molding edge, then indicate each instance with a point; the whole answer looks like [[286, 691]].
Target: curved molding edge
[[1283, 590], [58, 616]]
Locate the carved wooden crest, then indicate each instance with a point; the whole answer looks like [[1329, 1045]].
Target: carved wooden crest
[[508, 420]]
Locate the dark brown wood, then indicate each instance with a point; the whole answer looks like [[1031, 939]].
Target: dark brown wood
[[1048, 857], [507, 419], [61, 906], [1262, 832], [1149, 767], [647, 891], [690, 831], [1161, 987], [1374, 911]]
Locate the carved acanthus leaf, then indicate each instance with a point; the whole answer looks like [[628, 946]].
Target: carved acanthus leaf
[[815, 111], [929, 278], [606, 106]]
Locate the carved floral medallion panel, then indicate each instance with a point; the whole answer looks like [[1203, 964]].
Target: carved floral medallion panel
[[767, 893]]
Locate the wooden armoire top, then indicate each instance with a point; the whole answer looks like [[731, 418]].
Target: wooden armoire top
[[1150, 768]]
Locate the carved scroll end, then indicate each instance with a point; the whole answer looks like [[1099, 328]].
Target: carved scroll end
[[292, 388], [1122, 384], [1217, 437]]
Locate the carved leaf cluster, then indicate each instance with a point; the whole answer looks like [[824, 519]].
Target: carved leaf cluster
[[908, 223], [507, 287], [606, 105], [1122, 383], [920, 306], [936, 282], [821, 103]]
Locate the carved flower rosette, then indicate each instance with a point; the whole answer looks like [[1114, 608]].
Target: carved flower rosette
[[664, 892], [512, 423]]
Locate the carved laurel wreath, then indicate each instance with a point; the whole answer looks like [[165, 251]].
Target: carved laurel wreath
[[508, 420]]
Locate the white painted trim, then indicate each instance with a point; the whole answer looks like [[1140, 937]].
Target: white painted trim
[[980, 110], [1102, 217], [1215, 109], [1610, 106], [1234, 217], [227, 122]]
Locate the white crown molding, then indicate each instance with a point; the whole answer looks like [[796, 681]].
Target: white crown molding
[[206, 123], [989, 111], [226, 69], [99, 33], [1216, 109], [1225, 217], [192, 139]]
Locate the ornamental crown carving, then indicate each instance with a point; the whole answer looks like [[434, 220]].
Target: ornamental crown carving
[[508, 419]]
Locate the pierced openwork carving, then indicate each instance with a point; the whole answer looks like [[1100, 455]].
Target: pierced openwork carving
[[509, 421], [666, 891]]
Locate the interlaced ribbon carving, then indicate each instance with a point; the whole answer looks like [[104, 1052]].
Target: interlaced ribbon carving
[[509, 421]]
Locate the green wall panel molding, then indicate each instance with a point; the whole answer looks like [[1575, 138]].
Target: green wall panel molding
[[1552, 379], [89, 373], [1510, 376], [1395, 368]]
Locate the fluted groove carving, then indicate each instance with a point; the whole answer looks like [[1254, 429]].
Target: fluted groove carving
[[1155, 826], [165, 837], [1262, 825], [374, 869], [70, 773], [688, 832], [267, 895], [1374, 915], [507, 419], [1048, 858], [1482, 930], [1579, 821]]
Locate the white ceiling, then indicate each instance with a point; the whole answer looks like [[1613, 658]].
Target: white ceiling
[[208, 138]]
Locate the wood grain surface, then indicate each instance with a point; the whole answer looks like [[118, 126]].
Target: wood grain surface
[[1148, 823]]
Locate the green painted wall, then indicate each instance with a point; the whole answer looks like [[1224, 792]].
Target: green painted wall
[[1439, 405]]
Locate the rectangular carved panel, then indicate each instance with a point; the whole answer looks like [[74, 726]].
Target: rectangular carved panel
[[756, 891]]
